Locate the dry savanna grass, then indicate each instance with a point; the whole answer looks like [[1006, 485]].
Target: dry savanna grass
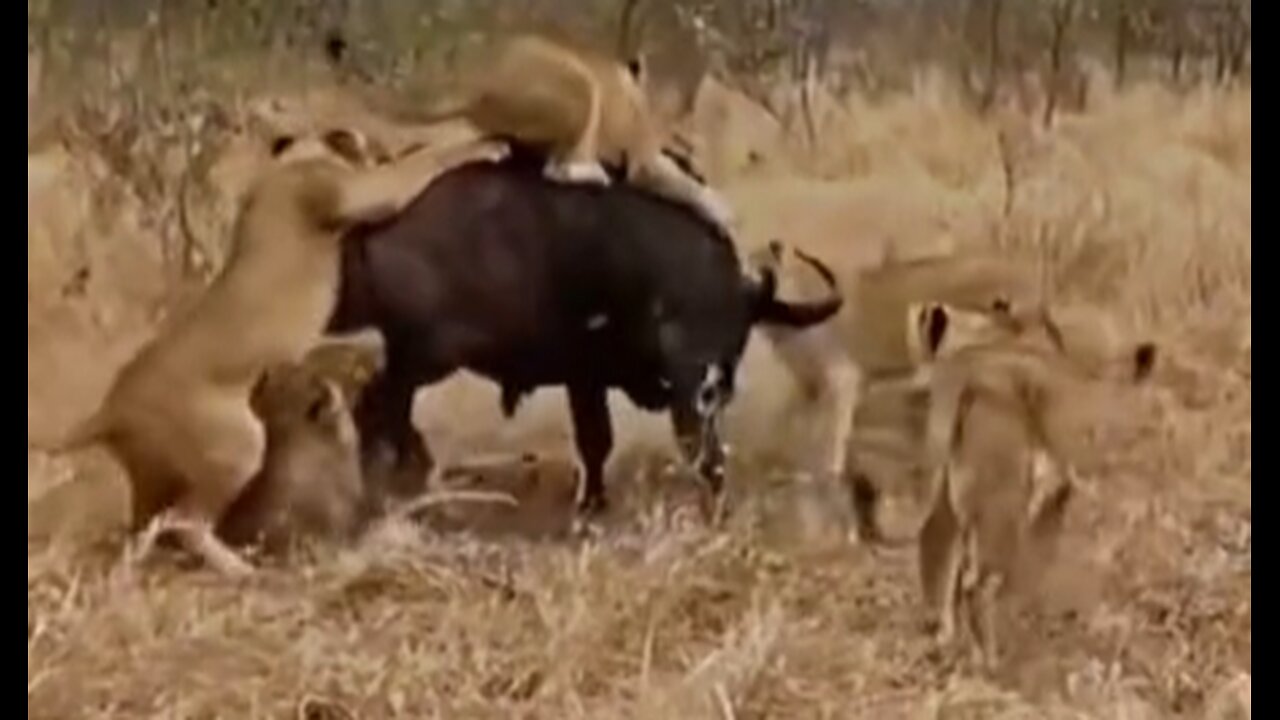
[[1142, 204]]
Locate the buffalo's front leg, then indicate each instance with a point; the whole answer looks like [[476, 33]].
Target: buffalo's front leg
[[384, 419], [593, 433]]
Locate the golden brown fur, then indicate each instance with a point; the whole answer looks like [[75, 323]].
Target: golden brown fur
[[586, 109], [883, 335], [178, 415], [310, 483], [998, 408]]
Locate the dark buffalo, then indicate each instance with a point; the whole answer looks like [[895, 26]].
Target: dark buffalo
[[533, 284]]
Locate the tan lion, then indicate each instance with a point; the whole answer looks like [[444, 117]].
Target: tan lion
[[586, 110], [998, 410], [178, 415]]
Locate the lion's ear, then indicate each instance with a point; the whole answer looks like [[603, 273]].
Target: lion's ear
[[1144, 361], [349, 361], [637, 67], [347, 144], [327, 404], [280, 143]]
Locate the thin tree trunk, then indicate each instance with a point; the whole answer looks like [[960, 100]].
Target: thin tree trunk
[[1175, 63], [1063, 13], [1122, 43], [993, 57], [806, 99]]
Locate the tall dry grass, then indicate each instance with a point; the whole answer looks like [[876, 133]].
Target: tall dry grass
[[1142, 204]]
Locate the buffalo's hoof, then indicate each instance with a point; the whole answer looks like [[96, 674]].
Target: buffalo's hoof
[[586, 528], [714, 507], [592, 505], [586, 520]]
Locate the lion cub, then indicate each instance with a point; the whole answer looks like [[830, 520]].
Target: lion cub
[[178, 415], [998, 408], [310, 484], [586, 110]]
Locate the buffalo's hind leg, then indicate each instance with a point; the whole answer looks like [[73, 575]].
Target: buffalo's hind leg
[[593, 434]]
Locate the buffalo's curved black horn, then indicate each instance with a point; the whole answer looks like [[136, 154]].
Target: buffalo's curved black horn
[[767, 288], [773, 311]]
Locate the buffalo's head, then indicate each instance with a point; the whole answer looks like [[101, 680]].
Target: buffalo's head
[[699, 395], [702, 365]]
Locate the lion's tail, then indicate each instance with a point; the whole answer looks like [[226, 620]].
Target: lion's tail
[[406, 110]]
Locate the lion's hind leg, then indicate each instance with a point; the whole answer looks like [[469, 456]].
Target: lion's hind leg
[[229, 444], [579, 163]]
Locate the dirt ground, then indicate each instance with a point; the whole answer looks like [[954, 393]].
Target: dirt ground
[[1142, 204]]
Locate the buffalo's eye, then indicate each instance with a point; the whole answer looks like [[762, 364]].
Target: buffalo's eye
[[707, 396], [727, 384], [715, 388]]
